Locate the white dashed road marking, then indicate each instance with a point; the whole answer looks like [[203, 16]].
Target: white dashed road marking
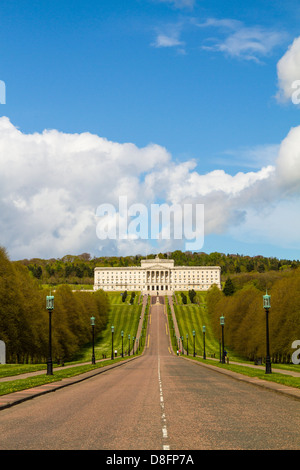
[[163, 416]]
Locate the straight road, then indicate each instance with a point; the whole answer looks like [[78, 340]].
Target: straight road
[[156, 402]]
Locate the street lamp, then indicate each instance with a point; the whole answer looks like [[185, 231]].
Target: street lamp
[[112, 341], [133, 338], [194, 342], [222, 323], [122, 334], [182, 345], [187, 344], [203, 330], [93, 333], [50, 307], [267, 306], [128, 345]]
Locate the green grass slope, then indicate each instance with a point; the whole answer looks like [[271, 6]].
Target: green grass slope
[[193, 317]]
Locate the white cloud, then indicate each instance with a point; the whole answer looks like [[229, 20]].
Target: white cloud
[[288, 162], [169, 36], [253, 157], [243, 42], [288, 72], [51, 184], [164, 40], [180, 3]]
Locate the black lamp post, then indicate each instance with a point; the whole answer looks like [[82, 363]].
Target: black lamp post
[[187, 344], [122, 334], [93, 335], [128, 345], [203, 330], [133, 338], [222, 323], [50, 307], [194, 342], [182, 344], [112, 342], [267, 306]]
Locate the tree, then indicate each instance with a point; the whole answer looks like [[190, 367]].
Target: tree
[[132, 297], [192, 295], [183, 297], [228, 287]]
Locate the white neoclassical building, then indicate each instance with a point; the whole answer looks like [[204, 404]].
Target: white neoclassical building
[[157, 276]]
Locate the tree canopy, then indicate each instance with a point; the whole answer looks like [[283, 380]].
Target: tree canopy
[[245, 317], [80, 269], [24, 318]]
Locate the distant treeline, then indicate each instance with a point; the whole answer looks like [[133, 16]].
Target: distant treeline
[[241, 303], [24, 318], [80, 269]]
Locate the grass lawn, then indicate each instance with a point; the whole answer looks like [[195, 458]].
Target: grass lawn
[[192, 317], [124, 317]]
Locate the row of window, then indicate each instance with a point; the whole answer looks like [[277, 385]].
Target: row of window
[[153, 272], [188, 287], [110, 274]]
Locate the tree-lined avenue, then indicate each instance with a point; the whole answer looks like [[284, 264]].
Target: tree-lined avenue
[[158, 401]]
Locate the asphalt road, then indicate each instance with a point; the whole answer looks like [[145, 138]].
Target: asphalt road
[[156, 402]]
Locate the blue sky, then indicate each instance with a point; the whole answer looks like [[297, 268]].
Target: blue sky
[[187, 82]]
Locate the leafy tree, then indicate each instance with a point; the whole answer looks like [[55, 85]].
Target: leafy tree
[[183, 298], [228, 287], [192, 295]]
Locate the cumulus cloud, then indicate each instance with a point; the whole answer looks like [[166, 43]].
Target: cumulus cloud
[[52, 183], [288, 163], [288, 72]]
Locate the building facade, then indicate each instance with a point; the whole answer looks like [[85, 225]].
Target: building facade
[[157, 276]]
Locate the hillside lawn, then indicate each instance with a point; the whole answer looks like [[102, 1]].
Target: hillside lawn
[[193, 317], [124, 317]]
